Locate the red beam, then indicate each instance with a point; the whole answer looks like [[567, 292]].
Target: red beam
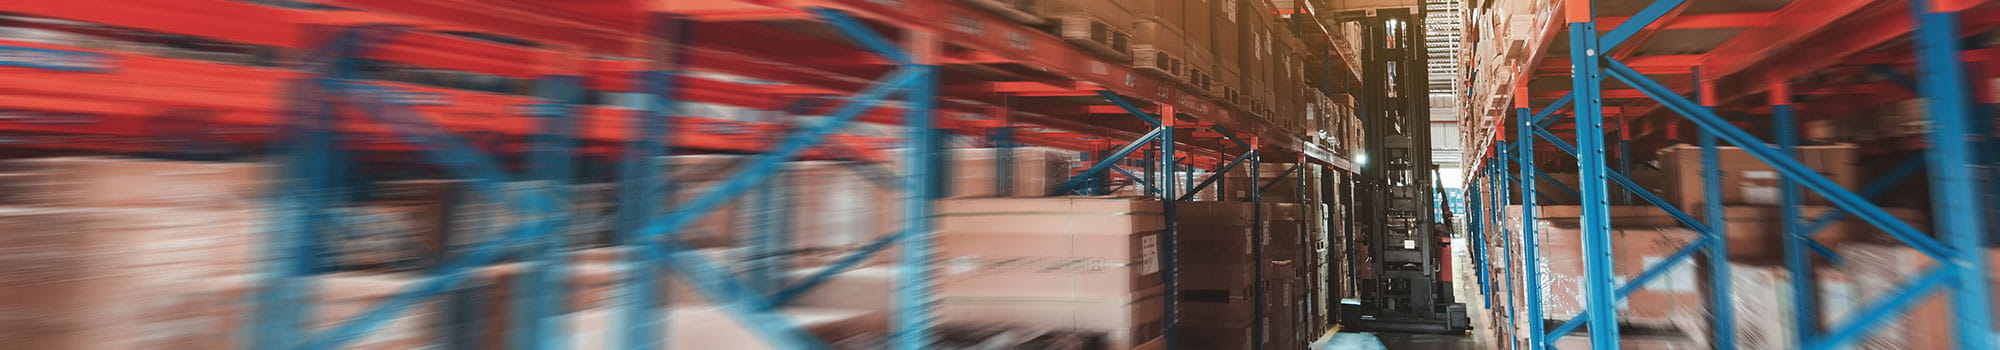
[[1671, 64], [1700, 21]]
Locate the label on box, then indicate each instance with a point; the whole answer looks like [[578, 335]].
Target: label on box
[[1149, 254], [1678, 279]]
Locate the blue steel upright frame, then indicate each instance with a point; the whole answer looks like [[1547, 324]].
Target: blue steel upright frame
[[1957, 213], [1163, 131], [309, 164]]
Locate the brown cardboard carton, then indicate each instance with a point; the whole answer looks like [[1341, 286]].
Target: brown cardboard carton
[[1027, 12], [1079, 263], [1038, 171], [710, 327], [1159, 48], [1876, 270], [116, 182], [112, 277], [1634, 249], [1126, 322], [1100, 26], [1747, 180]]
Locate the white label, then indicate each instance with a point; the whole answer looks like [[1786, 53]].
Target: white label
[[1149, 254], [1098, 67], [1409, 244], [1755, 194], [1679, 279], [1760, 175]]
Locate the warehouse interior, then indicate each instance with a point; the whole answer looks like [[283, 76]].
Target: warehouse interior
[[999, 174]]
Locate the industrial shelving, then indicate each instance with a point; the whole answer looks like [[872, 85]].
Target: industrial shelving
[[1755, 56], [612, 79]]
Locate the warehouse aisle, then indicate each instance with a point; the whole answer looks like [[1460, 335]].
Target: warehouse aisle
[[1467, 291]]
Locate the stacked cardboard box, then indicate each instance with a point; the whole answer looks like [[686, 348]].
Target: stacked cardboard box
[[1870, 273], [1227, 46], [1747, 180], [1066, 263], [1027, 12], [109, 253], [1103, 27], [1219, 280], [1038, 171], [1238, 183], [1634, 249], [711, 327], [1753, 232]]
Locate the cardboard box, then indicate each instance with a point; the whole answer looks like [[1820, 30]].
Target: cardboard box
[[1749, 181], [1875, 270], [1634, 249], [1160, 49], [1027, 12], [119, 182], [1064, 262], [710, 327], [123, 278], [1038, 171], [1581, 341], [1755, 233], [1100, 26], [1093, 248]]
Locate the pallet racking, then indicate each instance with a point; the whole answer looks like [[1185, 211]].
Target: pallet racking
[[1769, 48], [321, 108]]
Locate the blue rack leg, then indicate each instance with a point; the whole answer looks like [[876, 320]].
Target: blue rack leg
[[1599, 293], [1169, 275], [1798, 260], [1152, 172], [1257, 229], [1501, 198], [1721, 304], [540, 305], [913, 294], [1530, 243], [1476, 226], [645, 190], [1941, 80]]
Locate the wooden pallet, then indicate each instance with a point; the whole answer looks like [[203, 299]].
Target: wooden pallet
[[1197, 79], [1095, 36], [1159, 63], [1027, 12]]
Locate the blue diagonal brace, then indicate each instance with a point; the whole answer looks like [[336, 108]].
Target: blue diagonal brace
[[1543, 116], [1864, 319], [1559, 185], [1129, 108], [1219, 173], [1785, 165], [1105, 164], [1646, 17], [853, 29], [1632, 187], [1134, 177], [1874, 189], [1281, 178]]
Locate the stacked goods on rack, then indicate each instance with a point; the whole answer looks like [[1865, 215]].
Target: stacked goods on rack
[[1225, 45], [116, 253], [1275, 188], [1103, 27], [1749, 181], [1062, 262], [1027, 12], [1254, 56], [1217, 270], [1037, 171], [1871, 273]]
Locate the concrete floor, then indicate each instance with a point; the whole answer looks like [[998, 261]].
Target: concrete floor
[[1467, 291]]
